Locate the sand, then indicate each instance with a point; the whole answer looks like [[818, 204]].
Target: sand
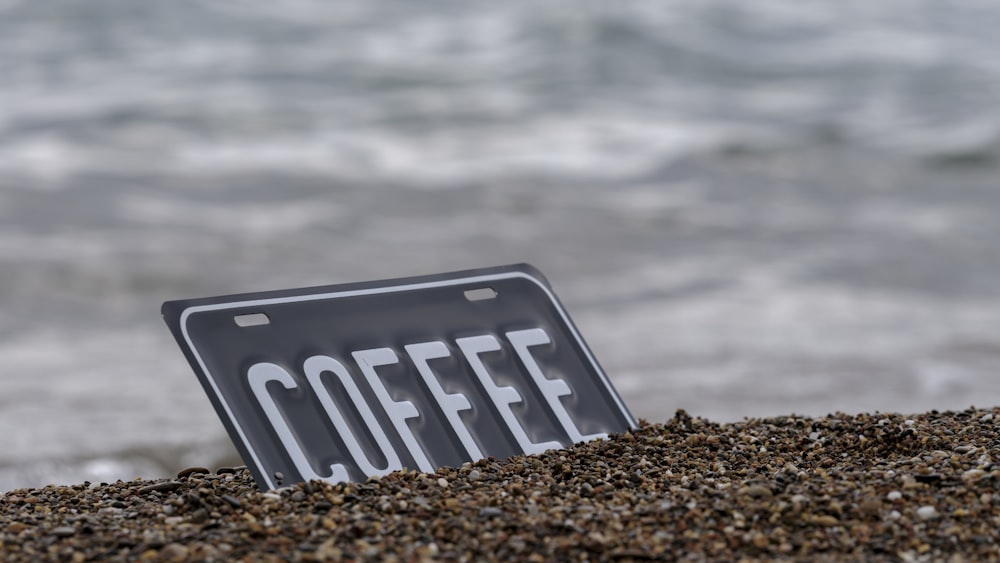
[[842, 487]]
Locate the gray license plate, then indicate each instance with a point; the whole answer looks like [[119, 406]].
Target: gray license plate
[[348, 381]]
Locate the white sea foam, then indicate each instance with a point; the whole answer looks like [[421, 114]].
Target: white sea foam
[[257, 219]]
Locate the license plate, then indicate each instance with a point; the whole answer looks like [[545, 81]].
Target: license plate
[[344, 382]]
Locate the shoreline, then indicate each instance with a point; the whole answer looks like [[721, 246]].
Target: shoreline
[[867, 486]]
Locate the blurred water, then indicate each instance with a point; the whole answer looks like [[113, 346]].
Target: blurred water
[[749, 209]]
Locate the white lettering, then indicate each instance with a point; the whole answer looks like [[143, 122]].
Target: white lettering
[[315, 367], [399, 411], [259, 375], [502, 397], [552, 389], [451, 403]]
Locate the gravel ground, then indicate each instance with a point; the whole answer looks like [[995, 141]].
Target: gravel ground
[[864, 487]]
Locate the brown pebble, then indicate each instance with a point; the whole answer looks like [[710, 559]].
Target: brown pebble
[[174, 552], [758, 491], [825, 520], [191, 471], [870, 507], [199, 516]]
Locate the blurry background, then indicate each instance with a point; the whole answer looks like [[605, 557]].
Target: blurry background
[[750, 209]]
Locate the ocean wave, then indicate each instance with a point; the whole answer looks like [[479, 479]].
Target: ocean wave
[[404, 92]]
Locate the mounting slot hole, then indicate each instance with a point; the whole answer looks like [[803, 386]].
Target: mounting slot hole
[[480, 294], [253, 319]]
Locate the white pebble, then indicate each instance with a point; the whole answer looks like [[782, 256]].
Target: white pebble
[[986, 417], [909, 422], [973, 474], [894, 495], [895, 515], [926, 512], [442, 482]]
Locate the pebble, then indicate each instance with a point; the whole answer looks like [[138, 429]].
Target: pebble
[[686, 488], [165, 486], [174, 552], [63, 531], [191, 471], [758, 491]]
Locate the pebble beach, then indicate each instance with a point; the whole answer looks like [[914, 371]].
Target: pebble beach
[[874, 487]]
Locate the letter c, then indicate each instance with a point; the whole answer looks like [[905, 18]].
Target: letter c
[[259, 376]]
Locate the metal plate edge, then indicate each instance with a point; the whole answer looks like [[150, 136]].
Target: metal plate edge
[[395, 285]]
